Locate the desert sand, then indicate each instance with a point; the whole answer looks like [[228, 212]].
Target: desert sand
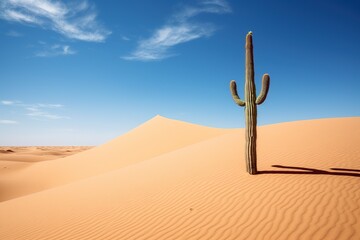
[[38, 153], [13, 158], [169, 179]]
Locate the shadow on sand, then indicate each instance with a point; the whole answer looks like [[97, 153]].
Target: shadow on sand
[[302, 170]]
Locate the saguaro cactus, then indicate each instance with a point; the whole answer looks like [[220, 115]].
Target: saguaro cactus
[[250, 104]]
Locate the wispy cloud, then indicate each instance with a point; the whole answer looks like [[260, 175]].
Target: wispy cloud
[[179, 29], [42, 105], [124, 38], [39, 111], [55, 50], [13, 33], [44, 111], [8, 122], [8, 102], [75, 20], [206, 6]]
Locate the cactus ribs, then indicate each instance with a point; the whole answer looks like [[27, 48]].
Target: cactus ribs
[[250, 104]]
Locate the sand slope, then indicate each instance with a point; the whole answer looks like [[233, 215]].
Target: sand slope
[[38, 153], [14, 158], [157, 136], [199, 189]]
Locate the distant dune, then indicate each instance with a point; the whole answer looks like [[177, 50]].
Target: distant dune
[[169, 179], [38, 153]]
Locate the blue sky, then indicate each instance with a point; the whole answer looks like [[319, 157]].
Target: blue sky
[[83, 73]]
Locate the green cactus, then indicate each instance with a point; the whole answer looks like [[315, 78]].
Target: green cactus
[[250, 104]]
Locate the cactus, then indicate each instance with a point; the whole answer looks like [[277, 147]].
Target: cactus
[[250, 104]]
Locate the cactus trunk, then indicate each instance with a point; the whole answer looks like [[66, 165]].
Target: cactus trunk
[[250, 105], [250, 110]]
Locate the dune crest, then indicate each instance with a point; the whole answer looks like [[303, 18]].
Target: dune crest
[[155, 137], [307, 187]]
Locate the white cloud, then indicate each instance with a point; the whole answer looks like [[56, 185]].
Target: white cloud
[[55, 50], [124, 38], [38, 111], [13, 33], [7, 102], [73, 20], [157, 46], [39, 114], [216, 6], [50, 105], [19, 17], [8, 122], [206, 6], [179, 30]]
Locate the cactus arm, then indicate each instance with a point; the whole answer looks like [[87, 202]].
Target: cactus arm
[[235, 95], [264, 89]]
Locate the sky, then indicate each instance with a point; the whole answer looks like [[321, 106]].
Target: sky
[[85, 72]]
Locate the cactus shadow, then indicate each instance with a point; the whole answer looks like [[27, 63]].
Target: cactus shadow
[[313, 171]]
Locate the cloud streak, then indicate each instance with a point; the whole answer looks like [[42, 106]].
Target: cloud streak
[[8, 122], [178, 30], [13, 33], [43, 111], [7, 102], [73, 20], [56, 50], [38, 111]]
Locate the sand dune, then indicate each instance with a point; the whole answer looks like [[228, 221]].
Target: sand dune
[[173, 180], [14, 158], [38, 154], [157, 136]]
